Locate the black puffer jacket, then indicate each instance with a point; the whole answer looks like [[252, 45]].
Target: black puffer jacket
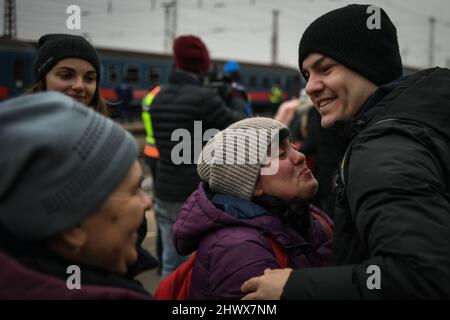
[[394, 212], [177, 106]]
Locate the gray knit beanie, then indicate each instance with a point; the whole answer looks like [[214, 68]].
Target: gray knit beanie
[[231, 161], [59, 162]]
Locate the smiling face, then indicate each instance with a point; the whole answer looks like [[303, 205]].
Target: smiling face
[[74, 77], [111, 232], [293, 181], [107, 238], [337, 92]]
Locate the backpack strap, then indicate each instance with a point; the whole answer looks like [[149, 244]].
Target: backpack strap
[[341, 178], [280, 253], [176, 285]]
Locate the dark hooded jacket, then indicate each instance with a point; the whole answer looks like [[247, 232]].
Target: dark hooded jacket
[[392, 219], [230, 236], [181, 104]]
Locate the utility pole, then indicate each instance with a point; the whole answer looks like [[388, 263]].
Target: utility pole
[[166, 7], [109, 8], [170, 23], [152, 5], [404, 54], [431, 42], [174, 19], [275, 14], [87, 36], [10, 20]]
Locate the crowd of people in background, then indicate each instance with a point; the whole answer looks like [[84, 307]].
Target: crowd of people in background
[[361, 179]]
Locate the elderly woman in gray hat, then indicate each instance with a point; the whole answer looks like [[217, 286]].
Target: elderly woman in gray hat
[[70, 202], [255, 192]]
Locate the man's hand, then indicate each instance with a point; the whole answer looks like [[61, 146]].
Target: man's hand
[[266, 287]]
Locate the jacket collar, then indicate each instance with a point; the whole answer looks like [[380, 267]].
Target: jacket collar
[[181, 76], [35, 259], [237, 207], [240, 210]]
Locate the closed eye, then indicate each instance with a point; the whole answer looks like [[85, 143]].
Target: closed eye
[[327, 68], [65, 75], [91, 77]]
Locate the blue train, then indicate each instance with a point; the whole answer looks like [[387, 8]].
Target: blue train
[[143, 71]]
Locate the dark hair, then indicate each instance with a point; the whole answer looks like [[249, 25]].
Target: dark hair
[[296, 217], [283, 134], [97, 103], [234, 76]]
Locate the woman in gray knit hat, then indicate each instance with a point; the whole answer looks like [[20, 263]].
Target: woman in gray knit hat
[[69, 64], [253, 200], [70, 202]]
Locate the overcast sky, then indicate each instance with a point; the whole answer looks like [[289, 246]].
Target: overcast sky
[[237, 29]]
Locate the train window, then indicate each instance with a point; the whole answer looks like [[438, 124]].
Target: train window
[[277, 81], [252, 81], [154, 75], [266, 83], [19, 73], [112, 73], [132, 74], [244, 80]]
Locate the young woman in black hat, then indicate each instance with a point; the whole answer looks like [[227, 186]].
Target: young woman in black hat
[[69, 64]]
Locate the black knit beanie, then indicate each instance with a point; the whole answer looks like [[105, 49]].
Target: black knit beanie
[[344, 36], [55, 47]]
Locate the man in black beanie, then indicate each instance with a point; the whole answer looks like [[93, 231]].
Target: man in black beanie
[[392, 222]]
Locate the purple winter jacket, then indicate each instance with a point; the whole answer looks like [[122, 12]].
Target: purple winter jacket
[[232, 250]]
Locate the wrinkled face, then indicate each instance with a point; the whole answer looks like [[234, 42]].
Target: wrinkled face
[[337, 92], [75, 78], [293, 180], [111, 232]]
